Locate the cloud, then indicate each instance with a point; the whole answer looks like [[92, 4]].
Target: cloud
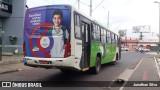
[[123, 14]]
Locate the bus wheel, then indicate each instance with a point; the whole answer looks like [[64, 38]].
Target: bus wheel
[[115, 62], [97, 67]]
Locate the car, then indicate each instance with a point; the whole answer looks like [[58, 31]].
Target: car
[[140, 49], [146, 50], [124, 49]]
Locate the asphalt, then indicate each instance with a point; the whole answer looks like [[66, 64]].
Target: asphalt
[[145, 71], [12, 64], [147, 67], [145, 76]]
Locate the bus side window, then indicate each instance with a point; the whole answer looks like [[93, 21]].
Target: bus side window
[[78, 33], [113, 39], [116, 40], [109, 37], [104, 37], [98, 33], [94, 31]]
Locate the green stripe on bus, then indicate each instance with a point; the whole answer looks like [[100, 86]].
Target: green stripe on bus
[[108, 56]]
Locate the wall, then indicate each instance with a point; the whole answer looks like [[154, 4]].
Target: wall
[[14, 24]]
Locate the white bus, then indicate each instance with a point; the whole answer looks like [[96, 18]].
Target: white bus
[[62, 37]]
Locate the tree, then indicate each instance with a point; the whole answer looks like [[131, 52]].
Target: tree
[[121, 33]]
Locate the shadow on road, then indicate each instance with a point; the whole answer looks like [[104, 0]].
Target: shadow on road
[[78, 75]]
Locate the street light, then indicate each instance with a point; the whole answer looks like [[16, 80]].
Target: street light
[[126, 38], [159, 24]]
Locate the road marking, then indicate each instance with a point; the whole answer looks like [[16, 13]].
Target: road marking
[[121, 88], [157, 67], [144, 76], [125, 75], [138, 64]]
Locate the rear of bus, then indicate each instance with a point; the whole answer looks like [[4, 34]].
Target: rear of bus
[[45, 43]]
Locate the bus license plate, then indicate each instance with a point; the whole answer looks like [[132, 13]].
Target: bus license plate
[[43, 62]]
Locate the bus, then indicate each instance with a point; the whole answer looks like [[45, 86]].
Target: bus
[[60, 36]]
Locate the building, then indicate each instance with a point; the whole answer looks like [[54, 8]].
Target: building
[[148, 43], [131, 44], [12, 14]]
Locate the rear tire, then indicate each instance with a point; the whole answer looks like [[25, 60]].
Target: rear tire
[[97, 67], [115, 62]]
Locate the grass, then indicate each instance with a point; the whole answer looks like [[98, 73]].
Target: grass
[[17, 54]]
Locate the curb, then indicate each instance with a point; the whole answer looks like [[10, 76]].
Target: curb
[[158, 61], [157, 66], [5, 69], [4, 63], [7, 62], [9, 71]]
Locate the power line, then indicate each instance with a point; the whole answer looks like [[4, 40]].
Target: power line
[[84, 3], [97, 6]]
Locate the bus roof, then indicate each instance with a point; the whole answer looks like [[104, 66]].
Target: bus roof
[[49, 7], [71, 7]]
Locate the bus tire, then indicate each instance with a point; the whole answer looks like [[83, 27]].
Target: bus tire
[[115, 62], [97, 67]]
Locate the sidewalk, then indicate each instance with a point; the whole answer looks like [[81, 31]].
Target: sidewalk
[[145, 74], [146, 71], [12, 64], [11, 59]]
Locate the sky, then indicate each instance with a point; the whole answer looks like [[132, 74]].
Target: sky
[[123, 14]]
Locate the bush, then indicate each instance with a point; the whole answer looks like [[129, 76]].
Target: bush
[[13, 39]]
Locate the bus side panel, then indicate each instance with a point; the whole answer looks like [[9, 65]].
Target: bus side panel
[[95, 48], [78, 50], [110, 54]]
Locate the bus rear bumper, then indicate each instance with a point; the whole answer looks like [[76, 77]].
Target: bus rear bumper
[[50, 62]]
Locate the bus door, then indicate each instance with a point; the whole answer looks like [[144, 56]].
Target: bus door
[[85, 28]]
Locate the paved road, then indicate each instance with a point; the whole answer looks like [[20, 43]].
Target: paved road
[[109, 72], [144, 77]]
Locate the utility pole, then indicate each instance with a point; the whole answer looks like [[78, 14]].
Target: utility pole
[[126, 38], [108, 20], [90, 13], [78, 3], [159, 24], [141, 35], [91, 8]]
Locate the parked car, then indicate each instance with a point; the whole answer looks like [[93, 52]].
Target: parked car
[[140, 49], [146, 50], [124, 49]]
